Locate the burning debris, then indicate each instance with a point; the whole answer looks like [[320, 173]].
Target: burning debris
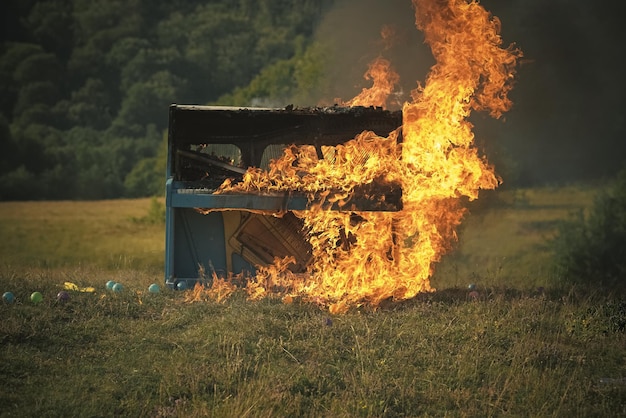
[[381, 207]]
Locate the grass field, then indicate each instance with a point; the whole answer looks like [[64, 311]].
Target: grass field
[[505, 241], [109, 235], [510, 350]]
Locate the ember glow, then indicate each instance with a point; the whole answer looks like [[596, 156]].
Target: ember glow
[[363, 258]]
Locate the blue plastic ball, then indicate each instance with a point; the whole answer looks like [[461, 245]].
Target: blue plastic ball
[[181, 285], [117, 287], [110, 284], [8, 297], [154, 288], [471, 286]]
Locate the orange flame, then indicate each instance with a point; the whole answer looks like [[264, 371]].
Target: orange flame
[[367, 257], [219, 290], [384, 80]]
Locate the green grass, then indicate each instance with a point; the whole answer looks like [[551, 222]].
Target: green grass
[[103, 234], [510, 351], [505, 241]]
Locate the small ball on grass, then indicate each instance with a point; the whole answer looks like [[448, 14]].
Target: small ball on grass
[[471, 286], [182, 285], [36, 297], [8, 297], [63, 296], [110, 285], [117, 287], [154, 288]]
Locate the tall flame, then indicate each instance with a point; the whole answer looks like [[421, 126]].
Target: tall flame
[[367, 257], [384, 80]]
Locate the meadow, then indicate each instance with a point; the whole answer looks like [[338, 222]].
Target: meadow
[[522, 345]]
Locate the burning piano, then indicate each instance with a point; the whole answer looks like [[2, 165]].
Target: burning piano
[[221, 233]]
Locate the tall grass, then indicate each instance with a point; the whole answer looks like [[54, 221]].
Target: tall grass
[[505, 239], [590, 250], [507, 350], [104, 234]]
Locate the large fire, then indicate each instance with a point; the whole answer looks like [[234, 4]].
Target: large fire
[[367, 257]]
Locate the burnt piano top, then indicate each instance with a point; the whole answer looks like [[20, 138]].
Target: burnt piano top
[[253, 129], [198, 162]]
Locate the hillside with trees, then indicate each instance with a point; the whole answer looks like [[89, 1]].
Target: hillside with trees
[[85, 85]]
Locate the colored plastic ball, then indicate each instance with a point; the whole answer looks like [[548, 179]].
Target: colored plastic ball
[[63, 296], [110, 284], [36, 297], [181, 285], [471, 286], [8, 297], [117, 287], [154, 288]]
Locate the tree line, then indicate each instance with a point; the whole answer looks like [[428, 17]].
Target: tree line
[[85, 85]]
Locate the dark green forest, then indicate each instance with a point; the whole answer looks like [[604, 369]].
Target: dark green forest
[[85, 85]]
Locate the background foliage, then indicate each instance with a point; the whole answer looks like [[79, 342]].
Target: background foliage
[[85, 85], [590, 248]]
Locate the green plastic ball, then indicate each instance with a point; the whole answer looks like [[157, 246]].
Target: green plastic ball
[[36, 297]]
